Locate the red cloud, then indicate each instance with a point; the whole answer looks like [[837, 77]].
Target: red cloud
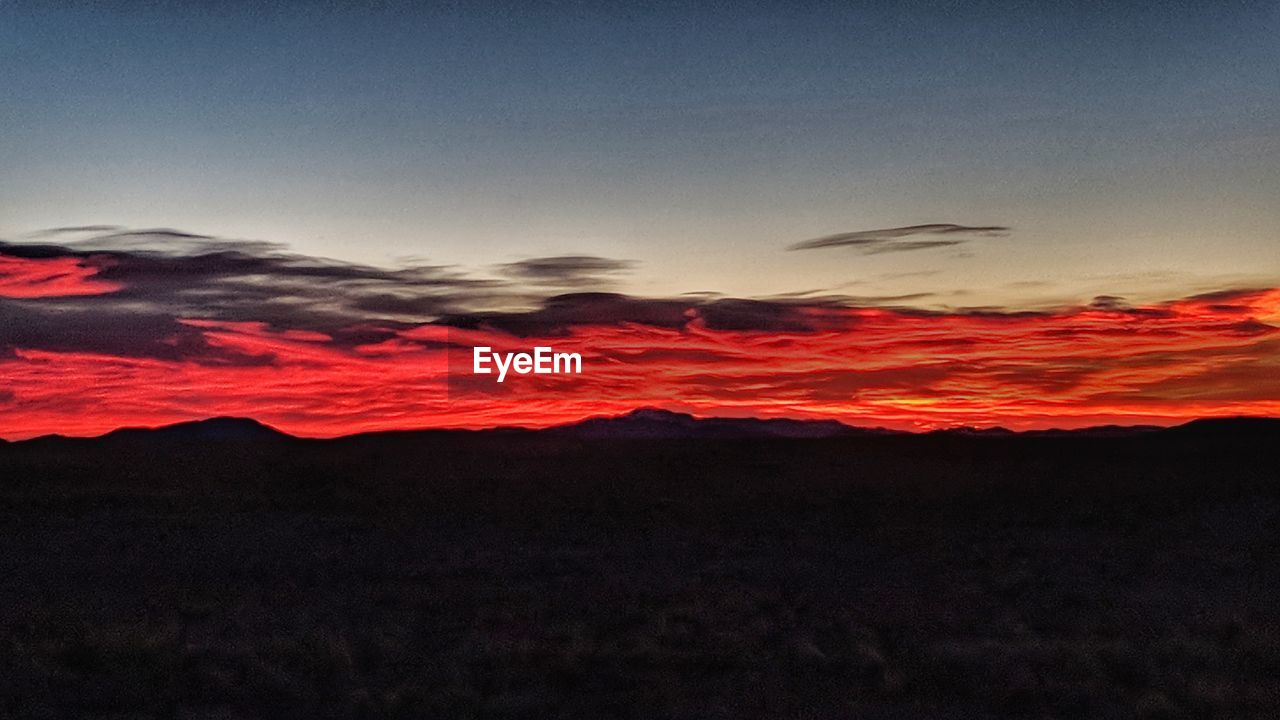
[[50, 277], [1212, 355]]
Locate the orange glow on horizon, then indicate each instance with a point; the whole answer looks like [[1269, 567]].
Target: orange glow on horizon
[[1161, 364]]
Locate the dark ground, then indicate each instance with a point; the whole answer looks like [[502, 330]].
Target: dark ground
[[505, 575]]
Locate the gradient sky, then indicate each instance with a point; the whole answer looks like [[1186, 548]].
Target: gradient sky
[[1070, 159], [697, 141]]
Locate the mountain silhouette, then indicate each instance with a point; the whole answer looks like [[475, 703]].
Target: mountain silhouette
[[657, 423], [218, 429]]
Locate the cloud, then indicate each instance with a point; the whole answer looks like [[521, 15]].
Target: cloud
[[1222, 376], [126, 293], [143, 283], [143, 327], [869, 365], [111, 332], [559, 314], [1110, 302], [191, 275], [48, 277], [899, 239], [74, 230], [566, 271]]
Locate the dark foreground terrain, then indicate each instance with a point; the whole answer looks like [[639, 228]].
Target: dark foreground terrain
[[222, 571]]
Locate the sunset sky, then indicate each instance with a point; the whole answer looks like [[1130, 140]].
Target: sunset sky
[[919, 216]]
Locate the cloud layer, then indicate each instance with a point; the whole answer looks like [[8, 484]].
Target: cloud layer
[[566, 271], [128, 328], [903, 239]]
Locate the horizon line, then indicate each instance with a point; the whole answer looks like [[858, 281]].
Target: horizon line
[[980, 429]]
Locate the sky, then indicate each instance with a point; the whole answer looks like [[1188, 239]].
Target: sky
[[196, 196]]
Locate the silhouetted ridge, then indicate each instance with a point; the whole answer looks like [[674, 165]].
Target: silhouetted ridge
[[975, 431], [1241, 427], [219, 429], [658, 423]]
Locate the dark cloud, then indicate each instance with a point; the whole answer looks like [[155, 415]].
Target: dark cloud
[[828, 297], [557, 314], [566, 271], [1110, 302], [900, 239], [178, 274], [156, 235], [75, 229], [165, 276], [1229, 294], [771, 316], [1237, 375], [886, 299], [157, 279], [191, 274], [111, 331], [1251, 327]]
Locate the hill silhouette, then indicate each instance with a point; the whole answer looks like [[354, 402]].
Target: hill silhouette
[[218, 429], [658, 424]]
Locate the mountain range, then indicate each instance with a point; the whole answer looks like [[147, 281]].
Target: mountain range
[[654, 423]]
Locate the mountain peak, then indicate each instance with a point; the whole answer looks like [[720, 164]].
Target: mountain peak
[[216, 429], [654, 414], [656, 423]]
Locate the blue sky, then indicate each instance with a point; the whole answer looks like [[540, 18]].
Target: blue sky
[[1131, 151]]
